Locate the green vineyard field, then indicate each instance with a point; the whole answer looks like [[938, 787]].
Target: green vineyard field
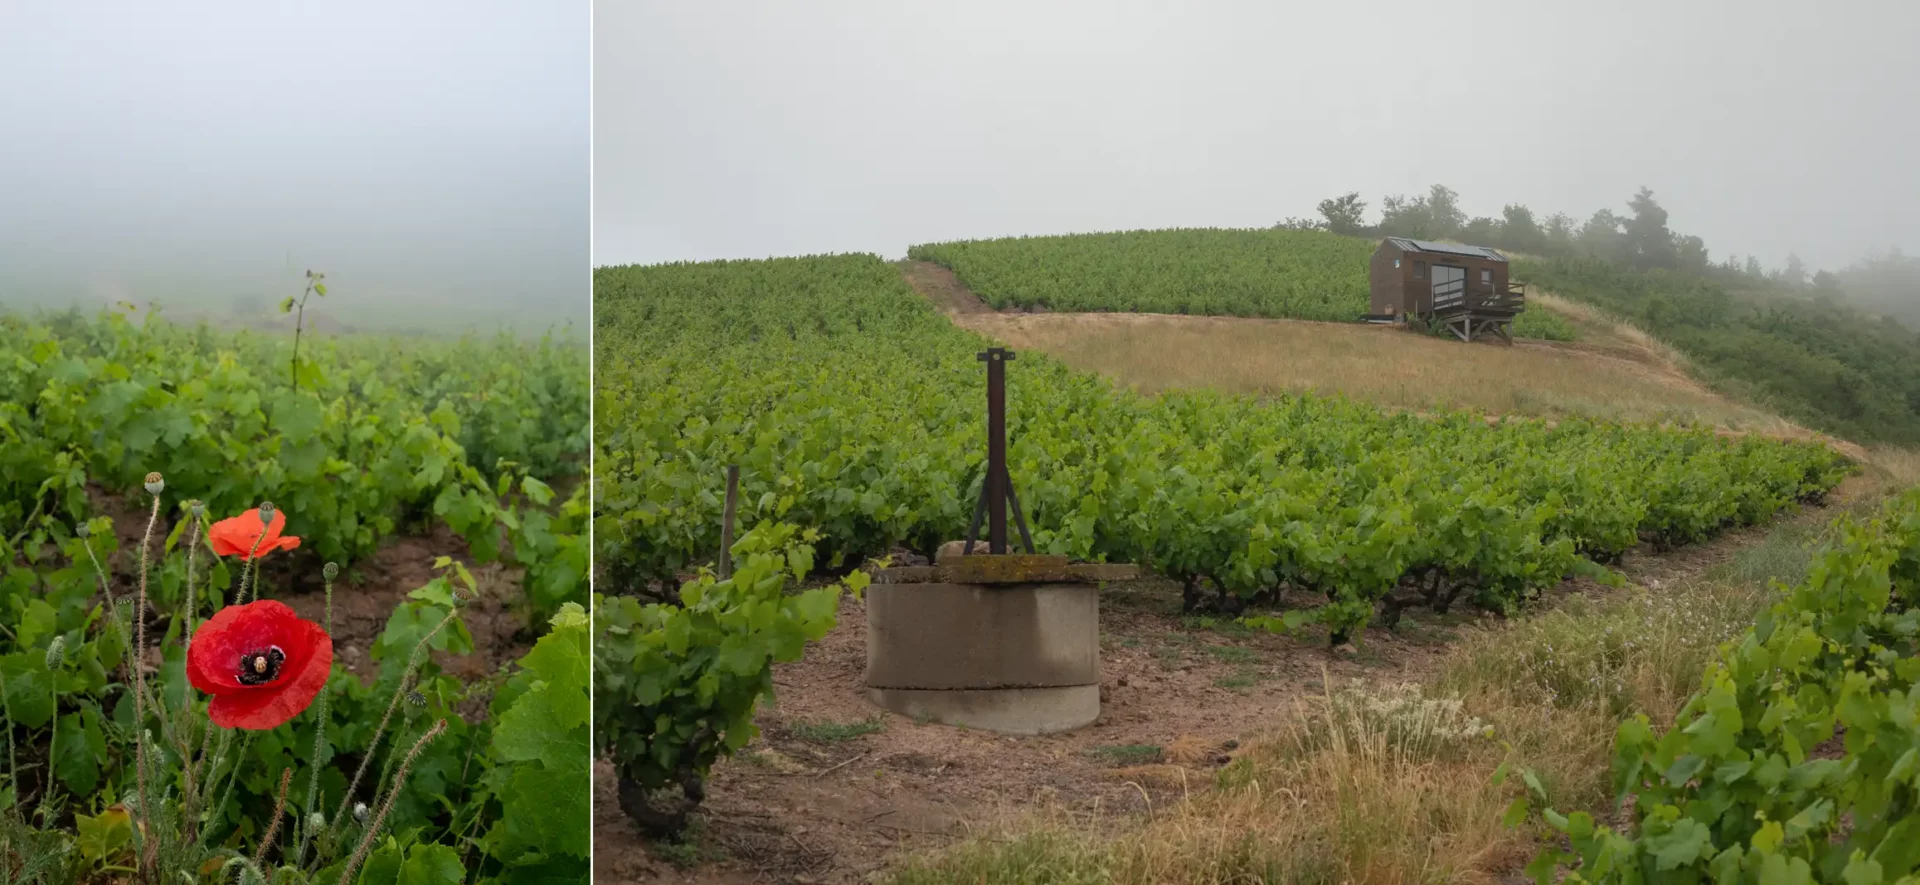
[[1279, 274], [852, 407], [112, 423]]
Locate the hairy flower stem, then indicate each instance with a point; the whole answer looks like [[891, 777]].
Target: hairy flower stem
[[373, 747], [193, 548], [106, 588], [279, 812], [248, 569], [399, 780], [233, 776], [304, 825], [53, 748], [13, 764], [136, 654]]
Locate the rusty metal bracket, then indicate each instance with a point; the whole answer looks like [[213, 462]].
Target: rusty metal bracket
[[996, 489]]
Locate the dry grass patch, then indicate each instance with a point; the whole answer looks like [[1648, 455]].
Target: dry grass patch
[[1394, 784], [1369, 785], [1380, 365]]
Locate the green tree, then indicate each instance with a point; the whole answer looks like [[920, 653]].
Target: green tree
[[1795, 273], [1647, 243], [1693, 254], [1345, 214], [1431, 216], [1443, 208], [1518, 230], [1559, 233], [1601, 236]]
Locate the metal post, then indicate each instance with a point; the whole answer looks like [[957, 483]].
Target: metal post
[[996, 479], [726, 522]]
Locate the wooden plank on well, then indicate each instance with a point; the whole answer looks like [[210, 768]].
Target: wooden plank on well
[[1008, 569]]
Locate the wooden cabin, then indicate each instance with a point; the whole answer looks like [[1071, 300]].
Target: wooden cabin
[[1465, 288]]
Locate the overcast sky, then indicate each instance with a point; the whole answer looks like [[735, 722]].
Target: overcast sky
[[431, 155], [748, 129]]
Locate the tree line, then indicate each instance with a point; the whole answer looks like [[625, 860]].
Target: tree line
[[1817, 347], [1638, 238]]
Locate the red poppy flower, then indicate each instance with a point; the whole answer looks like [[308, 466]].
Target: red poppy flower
[[262, 663], [235, 536]]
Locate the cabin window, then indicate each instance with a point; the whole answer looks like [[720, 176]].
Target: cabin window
[[1486, 276], [1419, 270], [1396, 262]]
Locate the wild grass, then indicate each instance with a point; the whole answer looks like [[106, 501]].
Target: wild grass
[[1393, 784], [1381, 365]]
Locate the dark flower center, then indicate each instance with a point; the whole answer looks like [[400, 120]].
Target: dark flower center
[[261, 666]]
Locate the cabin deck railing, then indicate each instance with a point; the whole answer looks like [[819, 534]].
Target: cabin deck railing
[[1459, 297]]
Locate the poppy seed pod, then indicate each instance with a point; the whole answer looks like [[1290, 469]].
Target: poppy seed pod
[[266, 513], [198, 509], [83, 530], [155, 483], [360, 812], [330, 571]]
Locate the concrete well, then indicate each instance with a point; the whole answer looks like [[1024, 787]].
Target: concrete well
[[1004, 643]]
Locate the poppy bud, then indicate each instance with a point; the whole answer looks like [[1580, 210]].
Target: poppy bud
[[266, 513], [83, 530], [56, 652], [155, 483], [316, 821], [330, 571], [360, 812]]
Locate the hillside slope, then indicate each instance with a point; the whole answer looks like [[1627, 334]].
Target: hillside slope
[[1613, 372], [1277, 274]]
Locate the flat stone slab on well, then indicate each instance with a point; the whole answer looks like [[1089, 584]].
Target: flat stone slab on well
[[1022, 711], [970, 636], [1013, 568]]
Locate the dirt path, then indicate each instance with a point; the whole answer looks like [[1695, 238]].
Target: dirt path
[[943, 288], [835, 789]]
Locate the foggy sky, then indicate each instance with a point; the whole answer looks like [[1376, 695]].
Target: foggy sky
[[735, 129], [430, 157]]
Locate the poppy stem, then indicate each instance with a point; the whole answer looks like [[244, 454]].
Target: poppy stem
[[193, 800], [305, 824], [399, 780], [193, 548], [136, 661], [247, 569], [234, 775], [406, 682], [13, 764], [279, 812]]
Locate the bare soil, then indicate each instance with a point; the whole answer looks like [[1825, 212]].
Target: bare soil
[[943, 288], [802, 805], [370, 590], [365, 595]]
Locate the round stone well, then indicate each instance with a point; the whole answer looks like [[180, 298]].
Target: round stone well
[[1008, 643]]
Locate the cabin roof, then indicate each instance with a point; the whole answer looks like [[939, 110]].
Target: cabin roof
[[1407, 245]]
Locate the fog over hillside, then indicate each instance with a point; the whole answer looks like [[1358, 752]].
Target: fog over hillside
[[1767, 129], [205, 154]]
